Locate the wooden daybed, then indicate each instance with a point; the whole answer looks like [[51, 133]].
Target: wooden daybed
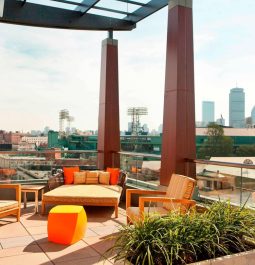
[[84, 194]]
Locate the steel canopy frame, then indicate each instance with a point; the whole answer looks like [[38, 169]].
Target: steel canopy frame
[[77, 17]]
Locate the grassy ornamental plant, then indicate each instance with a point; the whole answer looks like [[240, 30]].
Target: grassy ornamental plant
[[183, 239]]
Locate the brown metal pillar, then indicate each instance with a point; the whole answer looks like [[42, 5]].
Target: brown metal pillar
[[108, 121], [178, 140]]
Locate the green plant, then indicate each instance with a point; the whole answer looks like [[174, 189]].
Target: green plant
[[182, 239]]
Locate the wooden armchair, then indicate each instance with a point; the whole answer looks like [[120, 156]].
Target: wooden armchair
[[11, 207], [177, 197]]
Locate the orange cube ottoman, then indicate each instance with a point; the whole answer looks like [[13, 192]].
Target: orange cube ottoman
[[66, 224]]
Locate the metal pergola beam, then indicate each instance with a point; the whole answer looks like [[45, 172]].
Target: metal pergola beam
[[76, 15], [47, 16], [89, 3], [147, 10], [131, 2]]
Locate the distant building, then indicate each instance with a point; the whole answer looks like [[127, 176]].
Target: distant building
[[52, 139], [145, 128], [199, 124], [36, 132], [220, 121], [130, 127], [25, 146], [237, 108], [253, 116], [46, 130], [12, 137], [38, 140], [2, 137], [207, 112], [160, 128], [248, 122]]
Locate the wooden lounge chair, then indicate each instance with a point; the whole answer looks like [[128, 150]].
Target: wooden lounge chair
[[177, 197], [11, 207]]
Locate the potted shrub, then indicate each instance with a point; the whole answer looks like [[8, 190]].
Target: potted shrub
[[187, 238]]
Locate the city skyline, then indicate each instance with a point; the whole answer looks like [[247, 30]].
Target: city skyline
[[38, 80]]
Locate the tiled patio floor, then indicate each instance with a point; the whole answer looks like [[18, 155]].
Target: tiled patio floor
[[26, 243]]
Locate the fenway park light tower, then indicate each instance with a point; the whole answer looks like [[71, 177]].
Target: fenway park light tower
[[135, 114]]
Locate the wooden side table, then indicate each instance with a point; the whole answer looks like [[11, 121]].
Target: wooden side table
[[32, 189]]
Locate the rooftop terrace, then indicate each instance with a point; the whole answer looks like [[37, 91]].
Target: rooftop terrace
[[27, 241]]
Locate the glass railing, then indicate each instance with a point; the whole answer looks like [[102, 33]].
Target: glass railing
[[217, 180], [35, 167], [143, 169]]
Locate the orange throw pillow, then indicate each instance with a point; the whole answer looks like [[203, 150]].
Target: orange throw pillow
[[114, 175], [69, 174]]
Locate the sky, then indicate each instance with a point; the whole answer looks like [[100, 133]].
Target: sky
[[43, 71]]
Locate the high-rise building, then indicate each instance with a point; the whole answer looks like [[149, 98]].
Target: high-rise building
[[207, 112], [253, 116], [237, 108]]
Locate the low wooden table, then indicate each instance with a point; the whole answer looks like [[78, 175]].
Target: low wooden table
[[32, 189]]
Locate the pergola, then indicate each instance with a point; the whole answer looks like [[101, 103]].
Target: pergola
[[178, 142]]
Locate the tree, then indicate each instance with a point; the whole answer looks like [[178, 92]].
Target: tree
[[217, 144], [246, 150]]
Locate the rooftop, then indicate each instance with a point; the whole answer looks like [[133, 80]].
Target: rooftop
[[27, 241], [230, 131]]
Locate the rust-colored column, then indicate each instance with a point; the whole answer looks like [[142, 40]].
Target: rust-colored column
[[108, 121], [178, 140]]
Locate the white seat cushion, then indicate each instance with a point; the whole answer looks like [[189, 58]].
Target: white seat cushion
[[8, 204]]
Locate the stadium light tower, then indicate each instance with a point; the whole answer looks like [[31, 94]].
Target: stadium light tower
[[136, 113]]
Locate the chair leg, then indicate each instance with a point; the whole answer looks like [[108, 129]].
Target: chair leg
[[116, 210], [43, 207], [18, 215]]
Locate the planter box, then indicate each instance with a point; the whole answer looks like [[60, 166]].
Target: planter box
[[244, 258]]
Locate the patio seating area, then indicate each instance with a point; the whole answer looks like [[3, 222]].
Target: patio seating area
[[26, 242]]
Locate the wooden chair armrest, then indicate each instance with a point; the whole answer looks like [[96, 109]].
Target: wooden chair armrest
[[17, 187], [143, 192], [142, 200]]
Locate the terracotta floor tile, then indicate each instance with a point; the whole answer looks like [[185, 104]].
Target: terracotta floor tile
[[94, 224], [41, 238], [117, 222], [12, 230], [8, 220], [16, 241], [32, 258], [89, 233], [30, 208], [105, 230], [35, 230], [86, 261], [17, 251], [30, 220], [100, 244], [21, 239], [63, 253], [97, 221]]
